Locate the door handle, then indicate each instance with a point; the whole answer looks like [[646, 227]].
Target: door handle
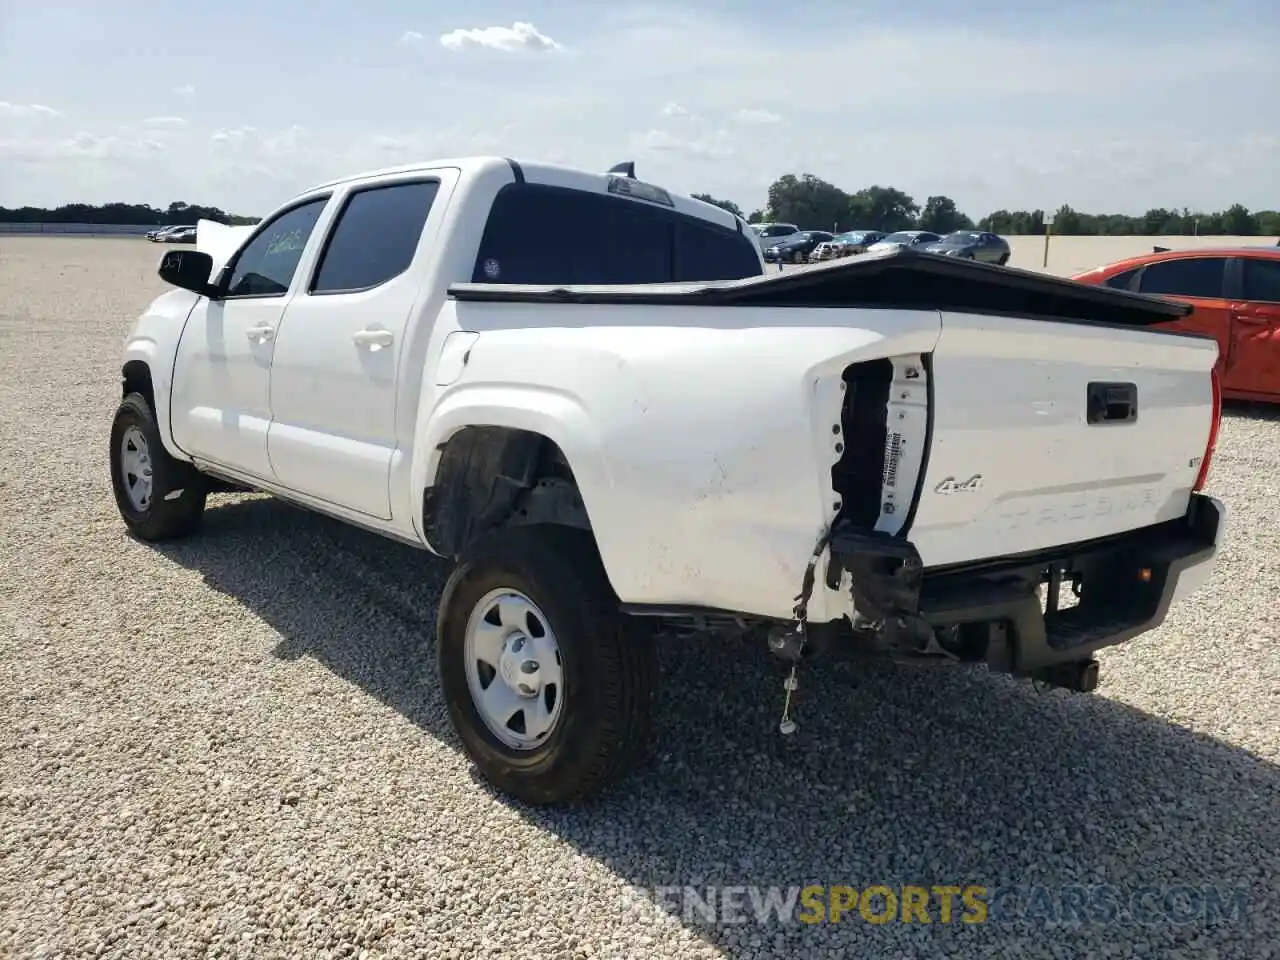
[[262, 332], [373, 339], [1249, 319]]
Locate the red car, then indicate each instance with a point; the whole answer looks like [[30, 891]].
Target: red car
[[1236, 295]]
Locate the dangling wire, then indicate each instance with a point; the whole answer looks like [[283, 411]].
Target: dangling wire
[[800, 612]]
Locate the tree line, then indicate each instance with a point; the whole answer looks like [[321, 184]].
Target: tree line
[[813, 203], [807, 200], [139, 214]]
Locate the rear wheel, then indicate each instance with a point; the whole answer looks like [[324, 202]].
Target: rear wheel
[[159, 497], [547, 684], [1004, 258]]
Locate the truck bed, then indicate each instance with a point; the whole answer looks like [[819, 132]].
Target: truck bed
[[1030, 412]]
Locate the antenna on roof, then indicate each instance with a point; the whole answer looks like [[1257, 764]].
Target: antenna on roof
[[626, 169]]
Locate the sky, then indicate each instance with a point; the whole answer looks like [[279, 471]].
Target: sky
[[1106, 105]]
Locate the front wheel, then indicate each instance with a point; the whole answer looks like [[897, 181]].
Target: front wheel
[[1004, 258], [159, 497], [547, 684]]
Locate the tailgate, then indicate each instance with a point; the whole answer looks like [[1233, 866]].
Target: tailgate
[[1047, 433]]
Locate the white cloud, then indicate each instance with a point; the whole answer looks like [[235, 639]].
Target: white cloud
[[164, 122], [232, 135], [186, 90], [27, 110], [81, 146], [715, 146], [757, 116], [286, 143], [388, 144], [1015, 116], [518, 36]]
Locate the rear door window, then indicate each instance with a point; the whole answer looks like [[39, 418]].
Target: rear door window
[[374, 237], [1190, 277], [708, 252], [1121, 281], [544, 235], [1262, 280], [540, 235]]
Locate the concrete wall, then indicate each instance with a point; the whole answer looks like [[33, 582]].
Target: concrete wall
[[1072, 255]]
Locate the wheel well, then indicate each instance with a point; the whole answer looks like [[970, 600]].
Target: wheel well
[[137, 379], [491, 477]]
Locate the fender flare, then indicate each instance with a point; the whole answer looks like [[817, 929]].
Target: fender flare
[[556, 415], [147, 351]]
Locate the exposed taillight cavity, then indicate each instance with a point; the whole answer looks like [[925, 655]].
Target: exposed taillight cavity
[[1207, 460], [884, 431]]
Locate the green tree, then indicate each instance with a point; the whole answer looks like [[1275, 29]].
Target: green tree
[[1067, 221], [138, 214], [1161, 222], [1235, 221], [1238, 221], [941, 216], [808, 201], [883, 208], [722, 204], [1268, 222], [1016, 222]]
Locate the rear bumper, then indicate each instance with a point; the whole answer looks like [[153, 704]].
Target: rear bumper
[[1127, 585]]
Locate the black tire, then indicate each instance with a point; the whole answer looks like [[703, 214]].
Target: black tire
[[608, 663], [161, 518], [1004, 258]]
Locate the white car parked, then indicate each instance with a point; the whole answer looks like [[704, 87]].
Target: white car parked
[[904, 238], [769, 234], [588, 393]]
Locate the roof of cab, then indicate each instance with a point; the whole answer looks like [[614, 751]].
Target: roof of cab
[[550, 174], [1256, 252]]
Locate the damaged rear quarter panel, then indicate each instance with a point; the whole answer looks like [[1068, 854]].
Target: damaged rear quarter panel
[[699, 445]]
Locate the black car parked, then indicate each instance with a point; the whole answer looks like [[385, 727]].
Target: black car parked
[[972, 245], [797, 247]]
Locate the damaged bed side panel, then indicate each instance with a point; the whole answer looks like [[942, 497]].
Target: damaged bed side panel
[[711, 439]]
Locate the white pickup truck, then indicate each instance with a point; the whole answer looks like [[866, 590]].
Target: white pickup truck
[[590, 395]]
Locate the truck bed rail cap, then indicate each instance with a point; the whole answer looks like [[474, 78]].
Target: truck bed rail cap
[[900, 278]]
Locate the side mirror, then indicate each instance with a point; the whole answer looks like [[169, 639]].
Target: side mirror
[[189, 270]]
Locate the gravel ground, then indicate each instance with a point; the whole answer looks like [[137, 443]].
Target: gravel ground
[[230, 747]]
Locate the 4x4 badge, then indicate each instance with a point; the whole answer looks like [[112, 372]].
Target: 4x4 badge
[[952, 485]]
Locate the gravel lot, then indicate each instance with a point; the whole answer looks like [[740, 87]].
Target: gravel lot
[[231, 747]]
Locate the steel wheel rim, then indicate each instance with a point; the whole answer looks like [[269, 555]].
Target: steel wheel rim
[[514, 670], [135, 469]]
